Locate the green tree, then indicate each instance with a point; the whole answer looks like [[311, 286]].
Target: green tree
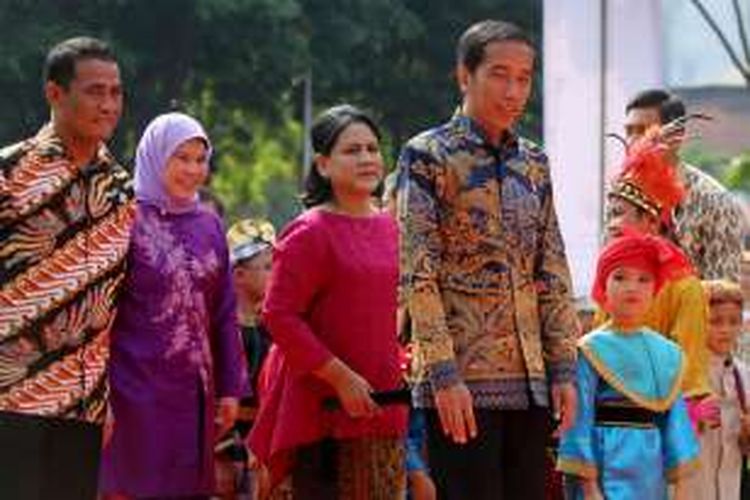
[[255, 164], [246, 51], [397, 57], [234, 64], [737, 176]]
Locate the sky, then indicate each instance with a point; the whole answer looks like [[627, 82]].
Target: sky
[[693, 54]]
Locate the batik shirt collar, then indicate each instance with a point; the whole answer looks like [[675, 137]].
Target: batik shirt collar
[[473, 132]]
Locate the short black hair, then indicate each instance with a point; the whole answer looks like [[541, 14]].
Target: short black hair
[[471, 45], [669, 105], [325, 131], [60, 65]]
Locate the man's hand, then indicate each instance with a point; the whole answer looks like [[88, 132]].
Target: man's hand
[[564, 405], [591, 490], [681, 490], [454, 406]]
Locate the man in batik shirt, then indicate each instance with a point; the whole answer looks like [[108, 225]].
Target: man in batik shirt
[[485, 279], [65, 213], [709, 223]]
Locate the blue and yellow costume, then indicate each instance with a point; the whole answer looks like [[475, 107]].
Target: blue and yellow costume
[[632, 432]]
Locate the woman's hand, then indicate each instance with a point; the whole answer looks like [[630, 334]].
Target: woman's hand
[[262, 483], [226, 414], [108, 428], [352, 389]]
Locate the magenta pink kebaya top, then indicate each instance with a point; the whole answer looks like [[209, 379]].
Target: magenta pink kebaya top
[[332, 293]]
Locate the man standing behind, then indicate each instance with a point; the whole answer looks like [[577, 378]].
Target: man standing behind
[[65, 213], [485, 278], [709, 222]]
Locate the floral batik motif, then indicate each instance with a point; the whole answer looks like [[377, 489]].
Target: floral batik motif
[[182, 309], [483, 268]]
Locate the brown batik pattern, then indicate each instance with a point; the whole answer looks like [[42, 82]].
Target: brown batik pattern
[[368, 468], [709, 226], [483, 271], [64, 233]]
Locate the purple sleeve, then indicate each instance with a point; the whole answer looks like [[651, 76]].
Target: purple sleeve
[[229, 361], [299, 264]]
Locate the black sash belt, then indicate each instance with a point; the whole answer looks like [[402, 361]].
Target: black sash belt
[[625, 416]]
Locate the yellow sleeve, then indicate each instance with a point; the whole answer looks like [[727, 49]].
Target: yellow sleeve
[[681, 313]]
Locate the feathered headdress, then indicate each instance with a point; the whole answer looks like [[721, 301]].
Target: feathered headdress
[[648, 179]]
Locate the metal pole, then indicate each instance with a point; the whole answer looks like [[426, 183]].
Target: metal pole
[[307, 152], [603, 47]]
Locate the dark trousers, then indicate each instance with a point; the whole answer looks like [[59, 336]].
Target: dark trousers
[[506, 461]]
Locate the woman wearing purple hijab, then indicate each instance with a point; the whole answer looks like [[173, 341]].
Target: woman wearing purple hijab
[[175, 343]]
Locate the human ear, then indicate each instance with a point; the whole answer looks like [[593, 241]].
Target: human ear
[[462, 77], [321, 164], [53, 93]]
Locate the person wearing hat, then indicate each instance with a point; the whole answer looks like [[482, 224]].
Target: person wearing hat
[[643, 197], [176, 367], [632, 433], [250, 242]]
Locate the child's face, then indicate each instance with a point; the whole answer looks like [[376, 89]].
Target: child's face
[[630, 291], [724, 326], [251, 276]]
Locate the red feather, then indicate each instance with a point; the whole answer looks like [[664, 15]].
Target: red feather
[[647, 167]]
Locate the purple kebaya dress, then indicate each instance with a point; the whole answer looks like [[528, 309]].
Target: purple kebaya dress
[[175, 349]]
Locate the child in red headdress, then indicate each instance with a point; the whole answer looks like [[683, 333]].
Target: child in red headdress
[[632, 434], [643, 197]]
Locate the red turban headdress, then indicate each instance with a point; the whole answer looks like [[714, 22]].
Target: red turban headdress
[[654, 254]]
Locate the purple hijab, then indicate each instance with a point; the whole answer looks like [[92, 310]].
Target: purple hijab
[[159, 141]]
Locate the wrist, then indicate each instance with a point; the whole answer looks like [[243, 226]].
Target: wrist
[[443, 375], [561, 373], [334, 372]]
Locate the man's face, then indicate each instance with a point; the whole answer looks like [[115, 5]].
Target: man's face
[[90, 107], [639, 120], [497, 91]]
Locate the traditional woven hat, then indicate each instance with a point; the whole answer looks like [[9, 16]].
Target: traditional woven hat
[[248, 237]]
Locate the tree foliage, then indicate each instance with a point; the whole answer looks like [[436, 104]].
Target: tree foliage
[[237, 66], [737, 176]]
